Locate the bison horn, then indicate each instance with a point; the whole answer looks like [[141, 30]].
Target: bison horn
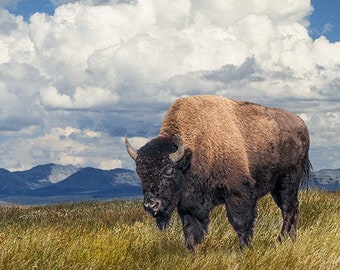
[[177, 156], [132, 152]]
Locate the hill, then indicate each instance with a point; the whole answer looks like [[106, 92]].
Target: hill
[[51, 183], [11, 184], [95, 182], [45, 175], [327, 179]]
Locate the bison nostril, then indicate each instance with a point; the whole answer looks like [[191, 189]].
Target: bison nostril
[[153, 204]]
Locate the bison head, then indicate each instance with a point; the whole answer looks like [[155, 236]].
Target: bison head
[[161, 165]]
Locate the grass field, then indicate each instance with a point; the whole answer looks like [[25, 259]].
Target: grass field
[[119, 235]]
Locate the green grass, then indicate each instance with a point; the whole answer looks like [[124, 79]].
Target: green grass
[[119, 235]]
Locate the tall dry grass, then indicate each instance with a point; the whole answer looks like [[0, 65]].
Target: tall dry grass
[[119, 235]]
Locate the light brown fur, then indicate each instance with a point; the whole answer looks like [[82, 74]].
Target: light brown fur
[[241, 137]]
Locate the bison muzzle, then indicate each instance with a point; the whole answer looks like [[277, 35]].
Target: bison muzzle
[[213, 150]]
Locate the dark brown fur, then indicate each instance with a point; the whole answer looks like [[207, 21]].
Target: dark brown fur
[[236, 152]]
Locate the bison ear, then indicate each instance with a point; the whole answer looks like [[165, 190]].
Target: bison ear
[[184, 163]]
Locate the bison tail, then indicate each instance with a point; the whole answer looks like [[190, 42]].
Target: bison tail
[[307, 177]]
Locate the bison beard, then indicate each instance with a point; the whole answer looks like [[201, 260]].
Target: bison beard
[[213, 150], [162, 214], [162, 220]]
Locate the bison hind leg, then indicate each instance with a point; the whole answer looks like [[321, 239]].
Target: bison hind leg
[[287, 200]]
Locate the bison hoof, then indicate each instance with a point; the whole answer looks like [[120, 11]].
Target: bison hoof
[[190, 244]]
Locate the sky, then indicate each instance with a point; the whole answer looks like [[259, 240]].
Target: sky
[[76, 76]]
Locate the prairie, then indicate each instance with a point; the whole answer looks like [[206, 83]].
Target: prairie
[[120, 235]]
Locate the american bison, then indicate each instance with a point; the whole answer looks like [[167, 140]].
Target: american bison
[[213, 150]]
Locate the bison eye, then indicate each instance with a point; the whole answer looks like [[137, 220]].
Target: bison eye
[[168, 172]]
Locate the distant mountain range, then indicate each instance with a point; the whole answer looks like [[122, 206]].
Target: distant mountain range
[[52, 183], [327, 179]]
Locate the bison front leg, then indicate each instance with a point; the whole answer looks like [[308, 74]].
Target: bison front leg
[[194, 230], [242, 213]]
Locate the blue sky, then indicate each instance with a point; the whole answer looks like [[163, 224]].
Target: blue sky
[[26, 8], [325, 19], [73, 82]]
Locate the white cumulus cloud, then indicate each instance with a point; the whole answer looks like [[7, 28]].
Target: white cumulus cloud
[[83, 98]]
